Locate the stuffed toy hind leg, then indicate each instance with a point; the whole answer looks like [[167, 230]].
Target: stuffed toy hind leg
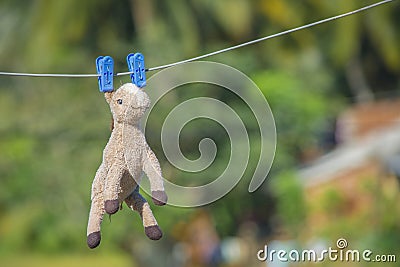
[[137, 203]]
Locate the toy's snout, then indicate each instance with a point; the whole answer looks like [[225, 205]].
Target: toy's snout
[[140, 99]]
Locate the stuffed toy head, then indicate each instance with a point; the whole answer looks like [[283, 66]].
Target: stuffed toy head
[[125, 158], [128, 104]]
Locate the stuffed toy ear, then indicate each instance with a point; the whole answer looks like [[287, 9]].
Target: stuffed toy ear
[[108, 96]]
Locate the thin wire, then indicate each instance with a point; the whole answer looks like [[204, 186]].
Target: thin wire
[[51, 75], [209, 54], [270, 36]]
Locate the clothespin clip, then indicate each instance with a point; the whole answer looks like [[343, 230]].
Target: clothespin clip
[[136, 66], [105, 69]]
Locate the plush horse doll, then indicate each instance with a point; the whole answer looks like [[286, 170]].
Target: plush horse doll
[[125, 158]]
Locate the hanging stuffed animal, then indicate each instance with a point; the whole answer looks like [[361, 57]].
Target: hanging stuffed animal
[[125, 158]]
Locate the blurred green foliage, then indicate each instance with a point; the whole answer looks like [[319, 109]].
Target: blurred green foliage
[[52, 131], [288, 190]]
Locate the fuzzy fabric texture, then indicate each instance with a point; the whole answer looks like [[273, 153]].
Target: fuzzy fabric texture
[[125, 158]]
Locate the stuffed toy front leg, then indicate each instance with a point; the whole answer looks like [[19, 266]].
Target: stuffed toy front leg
[[97, 208], [113, 188], [151, 167]]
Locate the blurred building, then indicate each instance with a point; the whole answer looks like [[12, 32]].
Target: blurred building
[[366, 160]]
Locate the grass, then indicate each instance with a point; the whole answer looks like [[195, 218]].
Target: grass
[[78, 260]]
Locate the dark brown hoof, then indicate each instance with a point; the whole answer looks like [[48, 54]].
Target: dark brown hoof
[[153, 232], [111, 206], [159, 197], [93, 240]]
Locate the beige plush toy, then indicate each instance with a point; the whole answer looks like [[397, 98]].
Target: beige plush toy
[[125, 158]]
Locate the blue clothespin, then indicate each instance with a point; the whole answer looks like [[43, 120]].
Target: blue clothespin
[[136, 65], [105, 68]]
